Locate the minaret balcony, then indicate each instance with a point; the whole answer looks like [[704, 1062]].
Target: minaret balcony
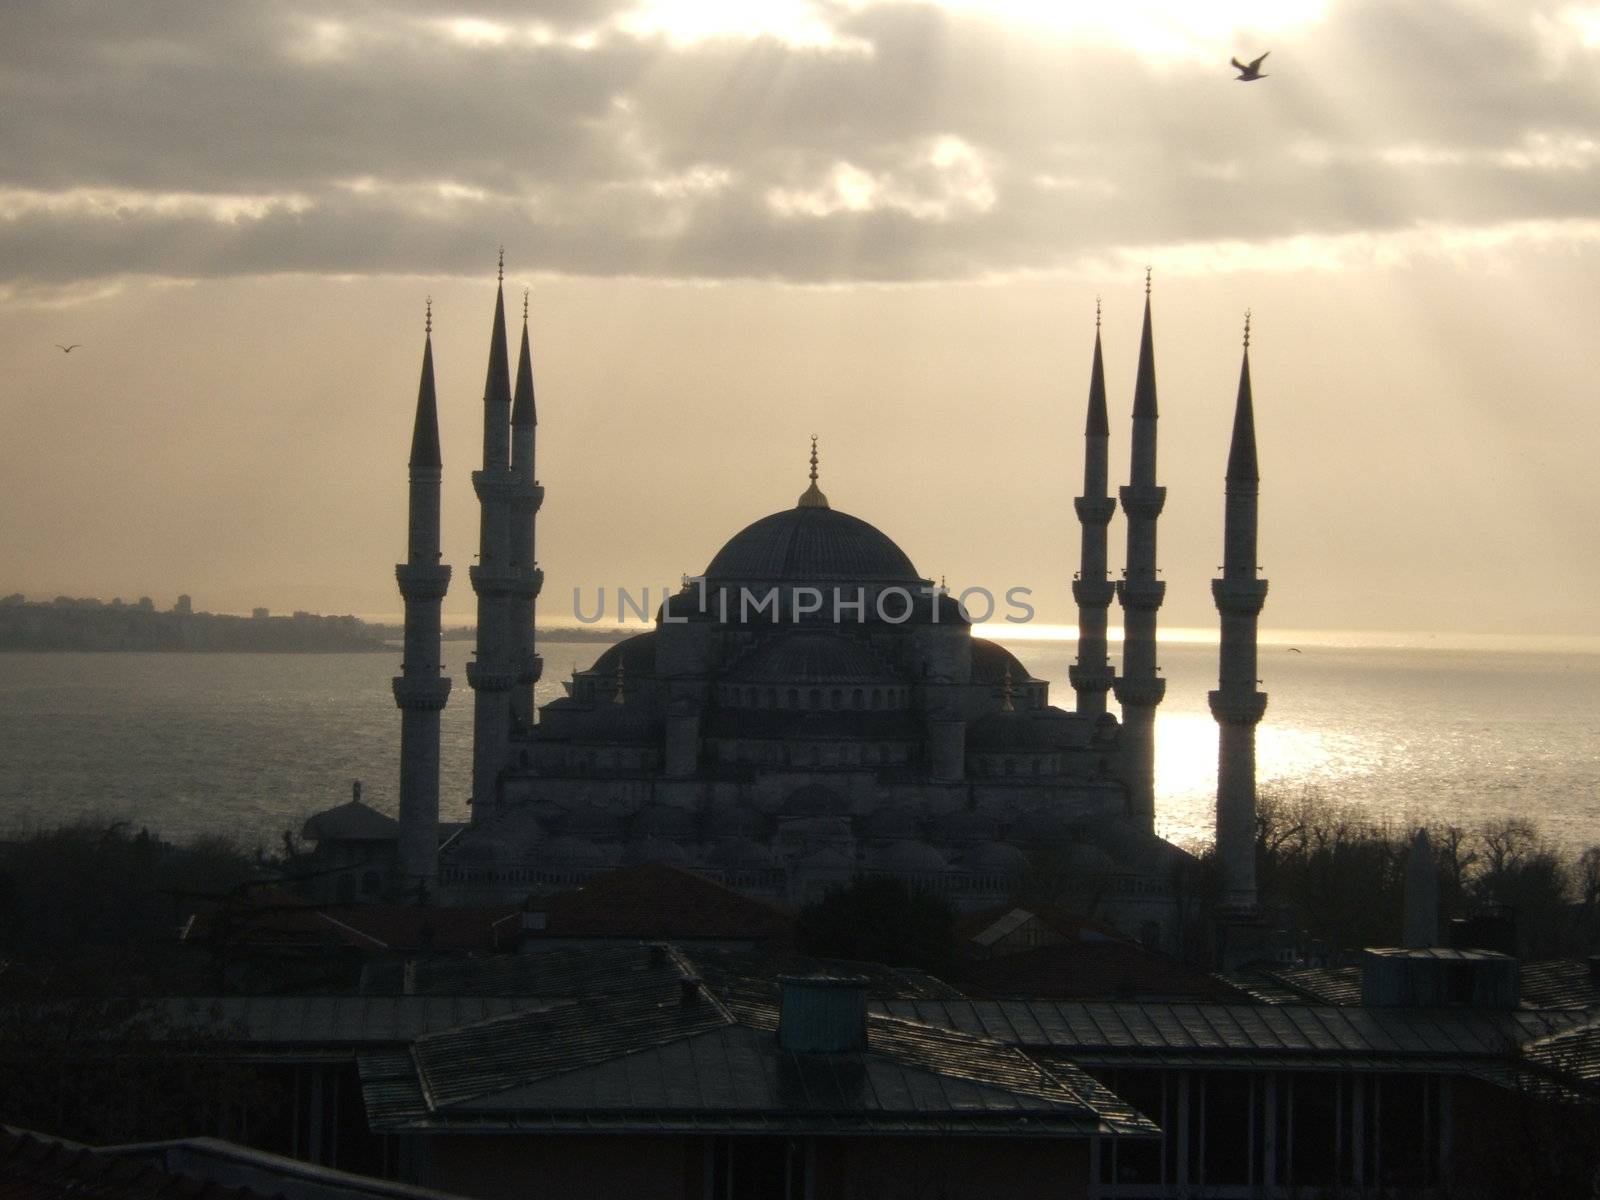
[[421, 693], [482, 677], [492, 579], [1141, 595], [525, 497], [527, 583], [1144, 501], [1239, 597], [1095, 510], [1237, 708], [1089, 677], [422, 581], [1093, 593], [1139, 693], [496, 486], [530, 667]]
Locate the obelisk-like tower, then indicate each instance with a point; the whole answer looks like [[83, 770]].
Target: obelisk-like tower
[[1140, 687], [1237, 704], [419, 690], [492, 672], [526, 496], [1091, 674]]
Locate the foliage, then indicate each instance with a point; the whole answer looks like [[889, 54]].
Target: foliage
[[109, 1070], [1341, 875], [879, 919], [100, 901]]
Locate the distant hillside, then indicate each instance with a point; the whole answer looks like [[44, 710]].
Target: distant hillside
[[66, 623]]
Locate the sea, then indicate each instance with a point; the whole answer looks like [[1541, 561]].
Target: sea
[[249, 745]]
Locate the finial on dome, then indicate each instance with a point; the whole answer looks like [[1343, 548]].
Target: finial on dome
[[1006, 692], [1247, 329], [427, 321], [812, 497], [620, 696]]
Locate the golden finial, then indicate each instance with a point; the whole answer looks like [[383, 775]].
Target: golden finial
[[1006, 692], [524, 306], [812, 497], [427, 323], [942, 587], [502, 274], [1247, 329], [1147, 281]]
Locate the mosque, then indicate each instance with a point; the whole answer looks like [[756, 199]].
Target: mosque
[[808, 708]]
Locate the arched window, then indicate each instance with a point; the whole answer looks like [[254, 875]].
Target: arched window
[[855, 698], [816, 698], [837, 700]]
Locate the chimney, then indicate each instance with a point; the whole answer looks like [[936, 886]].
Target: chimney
[[822, 1014]]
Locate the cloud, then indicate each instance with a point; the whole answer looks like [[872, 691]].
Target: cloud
[[810, 140]]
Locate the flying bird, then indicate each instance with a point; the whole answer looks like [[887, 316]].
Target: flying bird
[[1249, 73], [68, 349]]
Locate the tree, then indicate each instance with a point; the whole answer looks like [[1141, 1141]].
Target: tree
[[880, 919]]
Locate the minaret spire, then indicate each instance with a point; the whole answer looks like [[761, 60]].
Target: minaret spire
[[525, 498], [1237, 705], [492, 672], [1139, 687], [1091, 674], [419, 690]]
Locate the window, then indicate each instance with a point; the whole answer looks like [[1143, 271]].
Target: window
[[756, 1168]]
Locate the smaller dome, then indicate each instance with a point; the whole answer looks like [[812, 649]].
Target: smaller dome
[[889, 824], [965, 825], [1040, 825], [636, 655], [663, 821], [827, 858], [814, 800], [1084, 859], [739, 853], [591, 821], [997, 858], [735, 820], [655, 850], [909, 856], [573, 852], [991, 661]]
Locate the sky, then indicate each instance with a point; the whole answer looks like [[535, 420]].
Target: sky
[[744, 222]]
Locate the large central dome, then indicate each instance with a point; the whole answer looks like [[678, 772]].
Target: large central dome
[[811, 544]]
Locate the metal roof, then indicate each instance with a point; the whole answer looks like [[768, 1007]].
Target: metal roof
[[1144, 1028], [671, 1057], [330, 1021]]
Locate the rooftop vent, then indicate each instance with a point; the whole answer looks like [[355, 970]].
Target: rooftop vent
[[1439, 979], [821, 1014]]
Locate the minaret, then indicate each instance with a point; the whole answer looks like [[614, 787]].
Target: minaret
[[526, 497], [419, 690], [1091, 674], [1140, 688], [1237, 704], [492, 673]]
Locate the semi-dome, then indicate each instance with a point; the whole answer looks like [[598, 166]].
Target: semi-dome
[[992, 662], [811, 544], [807, 656]]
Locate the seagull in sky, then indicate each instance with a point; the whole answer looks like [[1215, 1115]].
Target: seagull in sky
[[68, 349], [1250, 72]]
